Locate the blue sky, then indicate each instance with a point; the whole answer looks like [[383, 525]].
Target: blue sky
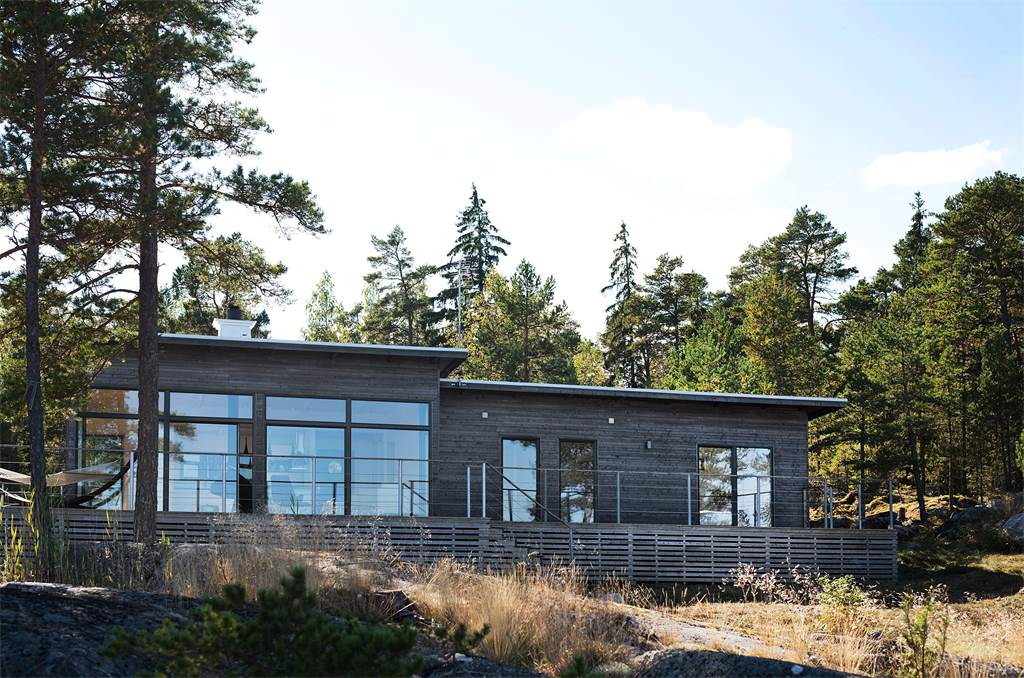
[[703, 126]]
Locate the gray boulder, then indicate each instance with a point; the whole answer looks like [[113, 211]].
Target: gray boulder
[[970, 519], [1014, 528]]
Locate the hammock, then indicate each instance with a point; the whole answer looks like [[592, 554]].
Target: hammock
[[111, 472]]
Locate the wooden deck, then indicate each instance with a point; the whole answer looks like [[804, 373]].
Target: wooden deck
[[639, 552]]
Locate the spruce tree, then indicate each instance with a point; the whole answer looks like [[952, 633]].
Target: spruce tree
[[627, 336], [478, 245]]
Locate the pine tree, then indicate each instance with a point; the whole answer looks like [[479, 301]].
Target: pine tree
[[398, 305], [777, 348], [226, 271], [676, 303], [166, 83], [713, 360], [520, 333]]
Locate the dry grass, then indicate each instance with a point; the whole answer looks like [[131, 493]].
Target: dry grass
[[538, 616], [980, 631]]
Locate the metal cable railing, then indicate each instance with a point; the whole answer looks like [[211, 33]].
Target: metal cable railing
[[354, 484]]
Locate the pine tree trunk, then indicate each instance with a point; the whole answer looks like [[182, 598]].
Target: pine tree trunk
[[149, 370], [149, 366], [33, 358]]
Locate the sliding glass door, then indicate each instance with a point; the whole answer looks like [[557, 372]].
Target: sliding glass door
[[735, 486], [577, 496]]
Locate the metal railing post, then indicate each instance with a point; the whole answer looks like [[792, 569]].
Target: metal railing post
[[689, 502], [824, 503], [891, 522], [618, 496], [757, 501], [483, 489], [860, 506], [401, 491], [224, 484], [547, 506], [313, 509], [469, 500]]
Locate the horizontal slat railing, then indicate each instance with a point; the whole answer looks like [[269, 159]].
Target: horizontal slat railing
[[640, 552]]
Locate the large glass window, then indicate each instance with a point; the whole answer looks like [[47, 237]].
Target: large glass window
[[305, 409], [109, 441], [519, 483], [202, 467], [390, 413], [577, 481], [214, 405], [305, 470], [389, 471], [735, 486]]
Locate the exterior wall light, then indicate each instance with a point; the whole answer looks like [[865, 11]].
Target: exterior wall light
[[483, 415], [611, 420]]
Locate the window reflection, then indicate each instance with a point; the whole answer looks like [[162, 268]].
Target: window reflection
[[202, 467], [519, 485], [305, 409], [216, 405], [735, 486], [576, 491], [380, 412], [111, 442], [299, 457], [389, 472]]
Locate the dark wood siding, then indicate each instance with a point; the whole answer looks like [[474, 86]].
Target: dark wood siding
[[653, 487], [262, 372]]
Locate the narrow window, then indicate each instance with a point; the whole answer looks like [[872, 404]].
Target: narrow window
[[519, 482], [577, 481]]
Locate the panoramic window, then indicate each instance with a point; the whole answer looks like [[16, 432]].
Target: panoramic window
[[519, 484], [113, 400], [735, 486], [577, 481], [305, 409], [305, 470], [108, 440], [390, 413], [389, 471]]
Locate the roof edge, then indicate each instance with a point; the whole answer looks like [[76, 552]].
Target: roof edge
[[814, 405], [449, 358]]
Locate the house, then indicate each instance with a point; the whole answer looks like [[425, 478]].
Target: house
[[293, 427]]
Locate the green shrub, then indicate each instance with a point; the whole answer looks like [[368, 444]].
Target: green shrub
[[925, 623], [287, 636], [461, 639], [840, 599]]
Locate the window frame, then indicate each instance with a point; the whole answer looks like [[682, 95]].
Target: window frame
[[594, 448], [536, 439], [733, 480]]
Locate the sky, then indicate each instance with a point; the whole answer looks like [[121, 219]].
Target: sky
[[703, 126]]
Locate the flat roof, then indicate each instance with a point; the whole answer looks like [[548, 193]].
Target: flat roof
[[814, 406], [449, 358]]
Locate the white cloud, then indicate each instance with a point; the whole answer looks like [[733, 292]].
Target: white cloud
[[923, 168], [685, 148]]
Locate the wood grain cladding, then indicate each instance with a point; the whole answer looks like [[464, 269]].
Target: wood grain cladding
[[461, 437]]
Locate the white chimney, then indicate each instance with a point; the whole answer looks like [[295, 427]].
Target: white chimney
[[233, 327]]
